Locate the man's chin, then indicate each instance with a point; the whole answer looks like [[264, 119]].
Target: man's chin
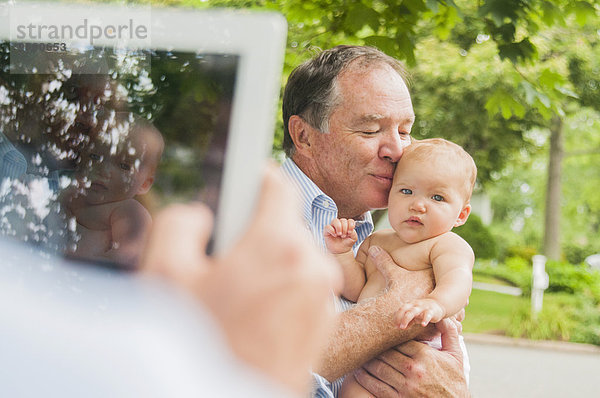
[[378, 203]]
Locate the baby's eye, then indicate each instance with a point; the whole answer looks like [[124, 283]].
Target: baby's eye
[[95, 157], [406, 191], [125, 166], [438, 198]]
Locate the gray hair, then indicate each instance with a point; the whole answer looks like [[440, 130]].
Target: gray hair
[[312, 91]]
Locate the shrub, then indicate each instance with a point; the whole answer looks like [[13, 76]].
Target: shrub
[[563, 317], [524, 252], [587, 315], [515, 271], [552, 323], [575, 254], [479, 237], [565, 277]]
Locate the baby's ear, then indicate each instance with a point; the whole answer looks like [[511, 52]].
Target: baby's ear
[[463, 215], [146, 185]]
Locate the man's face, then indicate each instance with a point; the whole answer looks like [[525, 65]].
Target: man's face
[[354, 163]]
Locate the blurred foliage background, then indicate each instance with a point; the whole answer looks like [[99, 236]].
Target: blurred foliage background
[[517, 83], [513, 81]]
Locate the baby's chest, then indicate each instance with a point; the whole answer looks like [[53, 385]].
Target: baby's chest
[[93, 242], [95, 218], [413, 257]]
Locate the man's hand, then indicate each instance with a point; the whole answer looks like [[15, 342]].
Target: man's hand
[[271, 294], [340, 235], [397, 278], [414, 369], [368, 329]]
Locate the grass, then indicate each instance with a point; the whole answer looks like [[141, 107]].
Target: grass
[[564, 317], [571, 309], [489, 279], [490, 312]]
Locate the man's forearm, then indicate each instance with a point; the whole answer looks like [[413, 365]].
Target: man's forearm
[[369, 329]]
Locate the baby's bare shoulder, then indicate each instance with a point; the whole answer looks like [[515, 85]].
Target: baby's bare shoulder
[[450, 240], [130, 208], [453, 245]]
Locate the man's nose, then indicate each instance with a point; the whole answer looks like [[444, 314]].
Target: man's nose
[[392, 146]]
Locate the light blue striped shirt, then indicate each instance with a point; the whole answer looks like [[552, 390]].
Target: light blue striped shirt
[[319, 210], [12, 163], [13, 166]]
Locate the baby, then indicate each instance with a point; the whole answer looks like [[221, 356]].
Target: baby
[[430, 195], [110, 224]]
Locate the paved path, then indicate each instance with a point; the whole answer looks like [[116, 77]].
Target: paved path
[[503, 367]]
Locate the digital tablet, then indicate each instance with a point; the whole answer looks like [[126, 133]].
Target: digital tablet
[[109, 113]]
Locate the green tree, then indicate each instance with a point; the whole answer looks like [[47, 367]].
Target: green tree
[[516, 62]]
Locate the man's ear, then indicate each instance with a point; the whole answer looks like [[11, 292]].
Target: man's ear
[[300, 132], [146, 185], [463, 215]]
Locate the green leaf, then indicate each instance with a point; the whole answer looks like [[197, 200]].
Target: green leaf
[[492, 106], [518, 109], [445, 21], [515, 52], [543, 98], [407, 48], [566, 91], [415, 6], [544, 110], [384, 43], [359, 15], [502, 10], [550, 79], [505, 32], [501, 101], [433, 5], [583, 11], [530, 92], [551, 14]]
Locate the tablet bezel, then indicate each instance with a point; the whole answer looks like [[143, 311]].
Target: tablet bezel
[[259, 41]]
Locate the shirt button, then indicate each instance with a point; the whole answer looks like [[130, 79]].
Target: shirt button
[[325, 204]]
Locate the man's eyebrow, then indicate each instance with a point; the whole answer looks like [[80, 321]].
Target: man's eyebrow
[[371, 117], [375, 117]]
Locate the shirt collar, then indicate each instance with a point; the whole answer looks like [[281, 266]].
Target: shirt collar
[[308, 190], [312, 195]]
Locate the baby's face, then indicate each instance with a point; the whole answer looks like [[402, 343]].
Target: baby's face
[[112, 174], [425, 202]]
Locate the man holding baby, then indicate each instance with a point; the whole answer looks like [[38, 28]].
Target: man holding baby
[[347, 119]]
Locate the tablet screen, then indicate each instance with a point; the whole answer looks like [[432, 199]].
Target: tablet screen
[[94, 141]]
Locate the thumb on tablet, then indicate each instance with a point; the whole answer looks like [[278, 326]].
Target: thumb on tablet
[[177, 243]]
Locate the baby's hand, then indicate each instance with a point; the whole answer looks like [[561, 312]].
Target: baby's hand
[[340, 235], [422, 310]]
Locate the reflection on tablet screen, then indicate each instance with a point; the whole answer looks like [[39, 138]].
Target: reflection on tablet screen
[[87, 159]]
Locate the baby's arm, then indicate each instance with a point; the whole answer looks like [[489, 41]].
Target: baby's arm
[[129, 223], [452, 260], [339, 237]]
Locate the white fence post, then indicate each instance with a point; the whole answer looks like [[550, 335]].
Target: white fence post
[[539, 284]]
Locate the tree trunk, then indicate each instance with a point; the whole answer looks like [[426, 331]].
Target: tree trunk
[[551, 248]]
